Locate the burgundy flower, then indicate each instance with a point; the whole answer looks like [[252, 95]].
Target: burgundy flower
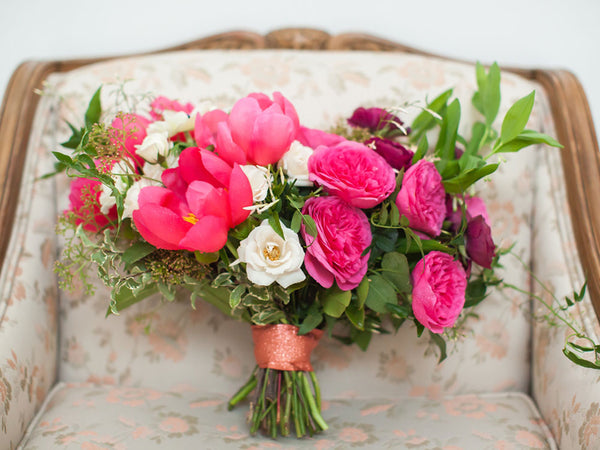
[[397, 156], [374, 119], [480, 246]]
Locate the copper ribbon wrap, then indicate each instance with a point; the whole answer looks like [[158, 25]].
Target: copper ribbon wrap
[[279, 347]]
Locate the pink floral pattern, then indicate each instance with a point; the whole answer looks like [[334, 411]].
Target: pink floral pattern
[[501, 421], [150, 366]]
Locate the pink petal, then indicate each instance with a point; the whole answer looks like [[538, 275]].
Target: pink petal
[[240, 195], [206, 200], [173, 181], [317, 271], [241, 120], [271, 138], [287, 108], [226, 148], [160, 226], [208, 235]]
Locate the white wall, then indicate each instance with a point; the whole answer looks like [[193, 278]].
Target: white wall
[[526, 33]]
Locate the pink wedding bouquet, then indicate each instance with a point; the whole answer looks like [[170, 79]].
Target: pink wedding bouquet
[[290, 229]]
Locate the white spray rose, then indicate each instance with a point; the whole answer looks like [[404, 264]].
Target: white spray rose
[[155, 144], [270, 258], [106, 199], [260, 179], [295, 163]]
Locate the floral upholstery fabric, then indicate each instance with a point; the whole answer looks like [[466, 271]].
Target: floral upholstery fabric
[[568, 396], [98, 417], [183, 357], [28, 293]]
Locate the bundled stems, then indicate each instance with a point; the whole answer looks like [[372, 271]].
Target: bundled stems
[[282, 398]]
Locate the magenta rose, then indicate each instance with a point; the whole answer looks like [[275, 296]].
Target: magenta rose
[[438, 295], [397, 156], [422, 198], [374, 119], [480, 246], [353, 172], [338, 251]]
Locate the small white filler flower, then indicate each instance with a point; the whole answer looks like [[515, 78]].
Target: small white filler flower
[[270, 258]]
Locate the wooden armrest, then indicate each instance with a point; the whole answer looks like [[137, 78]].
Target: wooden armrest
[[570, 109]]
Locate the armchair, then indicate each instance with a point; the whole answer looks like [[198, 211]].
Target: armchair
[[69, 378]]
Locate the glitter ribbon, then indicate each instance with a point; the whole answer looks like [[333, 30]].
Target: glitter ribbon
[[279, 347]]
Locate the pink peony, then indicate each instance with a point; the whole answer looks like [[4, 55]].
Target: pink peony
[[422, 198], [259, 129], [313, 138], [438, 295], [206, 126], [204, 198], [85, 205], [338, 251], [160, 104], [353, 172]]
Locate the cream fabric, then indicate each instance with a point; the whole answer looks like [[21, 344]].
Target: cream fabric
[[124, 418]]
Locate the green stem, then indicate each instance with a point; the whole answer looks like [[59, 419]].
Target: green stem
[[243, 392], [285, 422], [314, 412], [317, 389]]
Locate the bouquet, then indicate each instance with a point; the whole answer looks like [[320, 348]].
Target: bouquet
[[295, 231]]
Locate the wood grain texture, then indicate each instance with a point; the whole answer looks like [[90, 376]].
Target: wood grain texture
[[570, 109]]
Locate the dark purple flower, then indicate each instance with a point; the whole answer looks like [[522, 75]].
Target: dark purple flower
[[374, 119], [480, 246], [397, 156]]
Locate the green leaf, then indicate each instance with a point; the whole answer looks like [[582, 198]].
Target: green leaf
[[516, 118], [539, 138], [381, 292], [421, 149], [460, 183], [65, 159], [394, 268], [362, 291], [448, 132], [427, 245], [361, 338], [401, 311], [137, 251], [356, 316], [475, 292], [167, 291], [311, 226], [124, 297], [94, 110], [491, 95], [441, 344], [468, 162], [276, 224], [311, 321], [579, 360], [236, 295], [476, 142], [296, 221], [426, 120], [334, 300]]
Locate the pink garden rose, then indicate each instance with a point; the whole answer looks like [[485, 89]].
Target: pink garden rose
[[353, 172], [128, 131], [438, 295], [422, 198], [258, 131], [85, 205], [338, 251]]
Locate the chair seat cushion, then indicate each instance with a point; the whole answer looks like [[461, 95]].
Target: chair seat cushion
[[91, 416]]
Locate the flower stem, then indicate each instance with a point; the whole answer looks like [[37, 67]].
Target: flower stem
[[315, 412], [243, 392]]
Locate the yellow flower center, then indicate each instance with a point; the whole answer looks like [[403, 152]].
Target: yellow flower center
[[272, 252], [191, 218]]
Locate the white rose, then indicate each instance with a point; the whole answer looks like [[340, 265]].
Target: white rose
[[260, 179], [179, 121], [155, 144], [295, 163], [269, 258]]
